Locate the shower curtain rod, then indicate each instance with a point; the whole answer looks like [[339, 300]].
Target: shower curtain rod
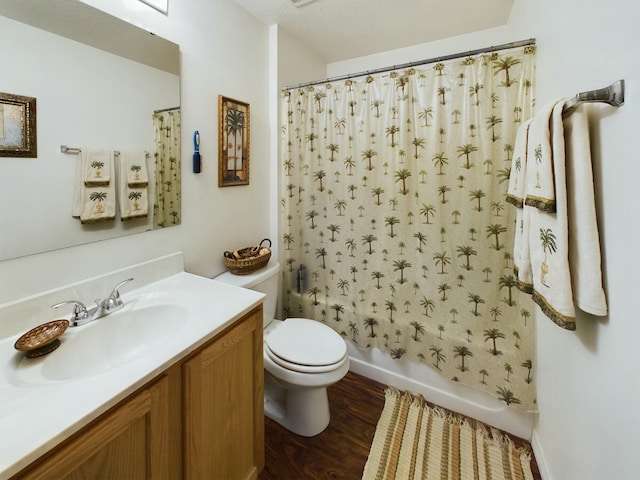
[[468, 53], [166, 109]]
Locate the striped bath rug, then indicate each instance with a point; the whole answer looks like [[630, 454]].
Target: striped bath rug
[[415, 441]]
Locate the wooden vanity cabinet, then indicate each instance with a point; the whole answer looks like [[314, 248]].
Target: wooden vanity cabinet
[[202, 418], [224, 405], [129, 441]]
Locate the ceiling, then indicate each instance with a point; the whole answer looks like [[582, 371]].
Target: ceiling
[[341, 29]]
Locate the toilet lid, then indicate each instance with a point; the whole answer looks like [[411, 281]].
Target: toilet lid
[[304, 342]]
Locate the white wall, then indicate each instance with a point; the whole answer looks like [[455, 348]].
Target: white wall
[[296, 63], [588, 380], [224, 50]]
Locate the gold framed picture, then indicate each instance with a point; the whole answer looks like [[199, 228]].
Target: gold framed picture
[[18, 126], [233, 142]]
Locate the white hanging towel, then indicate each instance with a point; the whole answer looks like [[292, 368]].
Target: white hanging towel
[[515, 196], [584, 242], [133, 196], [94, 201], [98, 166], [135, 164], [556, 246]]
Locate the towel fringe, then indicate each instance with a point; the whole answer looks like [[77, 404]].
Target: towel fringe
[[522, 285], [513, 200], [542, 204], [568, 323]]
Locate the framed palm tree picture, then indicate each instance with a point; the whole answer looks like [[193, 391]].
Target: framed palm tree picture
[[18, 126], [233, 142]]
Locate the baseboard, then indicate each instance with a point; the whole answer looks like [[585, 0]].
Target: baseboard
[[538, 452]]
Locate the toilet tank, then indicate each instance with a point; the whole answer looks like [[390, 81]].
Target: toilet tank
[[264, 280]]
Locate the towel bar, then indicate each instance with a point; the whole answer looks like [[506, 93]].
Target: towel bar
[[613, 95], [75, 150], [65, 149]]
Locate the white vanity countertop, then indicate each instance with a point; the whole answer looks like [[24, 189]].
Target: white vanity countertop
[[36, 416]]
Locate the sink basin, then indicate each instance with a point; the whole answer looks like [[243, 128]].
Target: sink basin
[[102, 345]]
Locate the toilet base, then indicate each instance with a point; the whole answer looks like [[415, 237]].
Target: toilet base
[[303, 411]]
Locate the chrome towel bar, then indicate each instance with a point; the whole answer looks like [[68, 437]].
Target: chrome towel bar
[[613, 95], [75, 150]]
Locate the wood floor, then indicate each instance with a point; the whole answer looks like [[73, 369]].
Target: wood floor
[[340, 452]]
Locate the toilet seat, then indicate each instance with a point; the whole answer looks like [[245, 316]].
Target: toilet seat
[[305, 346], [296, 367]]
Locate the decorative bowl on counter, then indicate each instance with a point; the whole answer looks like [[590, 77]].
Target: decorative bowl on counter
[[42, 339]]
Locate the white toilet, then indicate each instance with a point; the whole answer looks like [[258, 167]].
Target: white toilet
[[302, 358]]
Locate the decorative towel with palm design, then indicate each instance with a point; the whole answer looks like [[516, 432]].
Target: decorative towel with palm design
[[133, 196], [94, 197], [556, 246], [97, 167], [135, 164]]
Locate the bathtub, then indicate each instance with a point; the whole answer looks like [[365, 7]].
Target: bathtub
[[419, 378], [407, 374]]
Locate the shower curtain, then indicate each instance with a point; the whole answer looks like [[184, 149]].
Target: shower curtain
[[167, 204], [395, 230]]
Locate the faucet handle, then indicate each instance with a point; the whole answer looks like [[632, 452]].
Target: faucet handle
[[79, 311], [115, 294], [112, 302]]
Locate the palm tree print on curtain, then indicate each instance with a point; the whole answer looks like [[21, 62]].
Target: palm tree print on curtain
[[393, 202], [167, 205]]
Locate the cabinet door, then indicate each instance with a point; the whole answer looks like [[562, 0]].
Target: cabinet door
[[224, 406], [130, 441]]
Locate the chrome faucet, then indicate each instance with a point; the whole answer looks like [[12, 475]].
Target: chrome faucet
[[81, 315], [112, 303]]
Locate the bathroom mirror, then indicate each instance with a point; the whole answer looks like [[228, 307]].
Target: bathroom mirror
[[97, 81]]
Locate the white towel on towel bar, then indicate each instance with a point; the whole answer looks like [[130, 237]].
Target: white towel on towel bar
[[94, 203], [584, 251], [133, 195], [97, 166], [556, 247], [515, 195], [135, 164]]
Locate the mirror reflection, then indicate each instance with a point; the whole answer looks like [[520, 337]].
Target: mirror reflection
[[99, 84]]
